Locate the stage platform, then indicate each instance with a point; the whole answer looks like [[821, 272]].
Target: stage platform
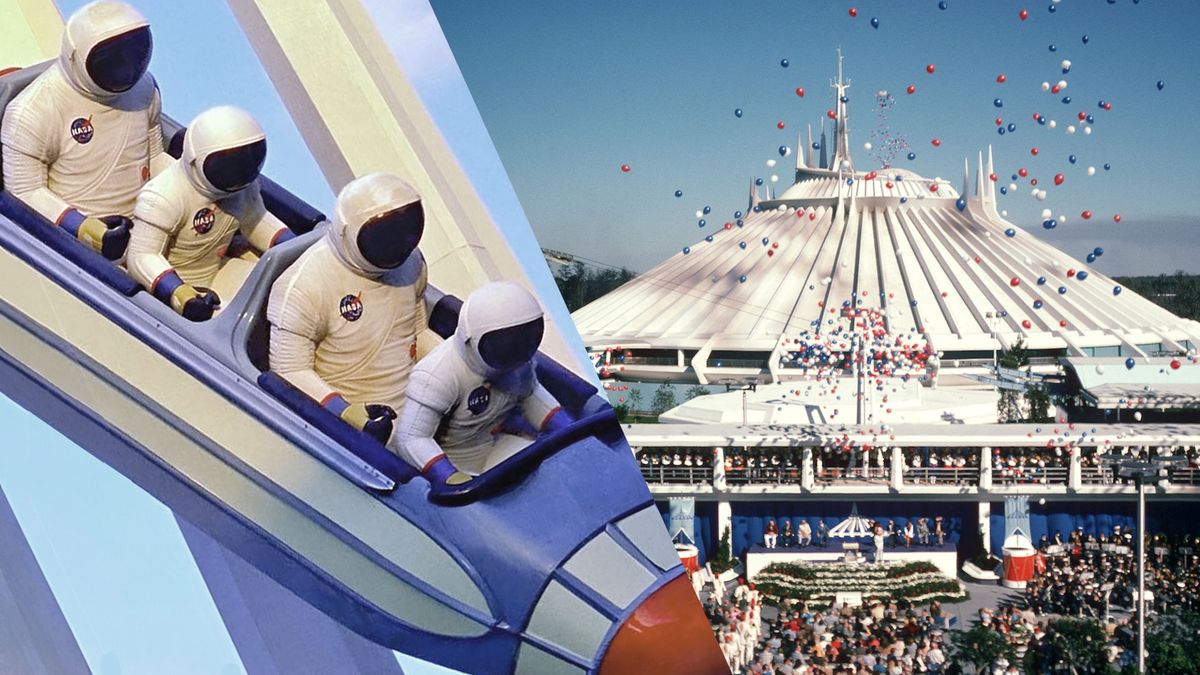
[[945, 556]]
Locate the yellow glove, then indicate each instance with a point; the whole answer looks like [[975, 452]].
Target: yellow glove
[[372, 418], [108, 236], [194, 303]]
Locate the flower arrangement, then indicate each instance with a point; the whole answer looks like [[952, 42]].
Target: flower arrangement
[[915, 581]]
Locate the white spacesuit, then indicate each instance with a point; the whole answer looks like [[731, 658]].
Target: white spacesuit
[[187, 216], [462, 391], [345, 316], [81, 139]]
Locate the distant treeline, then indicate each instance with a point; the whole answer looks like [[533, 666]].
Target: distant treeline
[[1178, 293], [580, 284]]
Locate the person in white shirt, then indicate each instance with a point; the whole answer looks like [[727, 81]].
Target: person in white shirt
[[82, 138], [460, 395], [346, 315], [877, 537], [187, 216]]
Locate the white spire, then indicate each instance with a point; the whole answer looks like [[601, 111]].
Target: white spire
[[966, 180], [799, 148], [808, 148], [841, 131], [991, 184], [980, 190]]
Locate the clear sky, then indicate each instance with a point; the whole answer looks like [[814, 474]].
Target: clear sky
[[570, 91]]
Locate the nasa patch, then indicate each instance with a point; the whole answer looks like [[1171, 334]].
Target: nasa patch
[[479, 399], [203, 221], [82, 130], [351, 308]]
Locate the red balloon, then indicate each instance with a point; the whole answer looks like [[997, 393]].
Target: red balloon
[[1001, 78], [937, 142], [1107, 105], [626, 168], [1014, 282], [1117, 218], [945, 294], [933, 187], [1033, 151], [912, 88], [889, 185], [853, 11], [1082, 116], [729, 226], [1036, 115], [1175, 364], [999, 121], [832, 115], [1059, 178], [1062, 323], [779, 124], [1086, 215], [978, 260], [1033, 181], [1024, 14], [1055, 89], [770, 253], [800, 92], [929, 69], [774, 244], [1022, 172], [1026, 324], [993, 177]]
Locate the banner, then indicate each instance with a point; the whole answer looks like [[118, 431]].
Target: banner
[[682, 519], [1016, 516]]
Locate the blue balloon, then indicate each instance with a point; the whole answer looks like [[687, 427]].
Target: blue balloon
[[1107, 166], [679, 193], [737, 112], [758, 181], [784, 62], [765, 241], [1052, 9], [1041, 120], [1037, 304], [1091, 258], [1116, 290], [1100, 104], [741, 223], [737, 214], [1014, 176], [1130, 363], [742, 279], [702, 222], [1012, 126], [1090, 119], [874, 22], [687, 250], [961, 204], [708, 238], [849, 181], [1081, 275], [904, 200], [943, 5], [706, 210], [1160, 84], [1041, 281], [1049, 223], [741, 244], [1097, 251], [1053, 48], [998, 103], [1062, 290], [1003, 189], [1010, 232], [1085, 39], [912, 155], [1071, 159], [783, 150], [1066, 99], [1000, 130], [914, 303]]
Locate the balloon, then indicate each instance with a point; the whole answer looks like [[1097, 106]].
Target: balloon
[[1085, 39], [1022, 172], [1000, 131], [1071, 159], [912, 155], [1108, 167], [1091, 258], [626, 168], [1116, 290], [933, 187], [1160, 84], [853, 11], [679, 193], [1037, 304], [1175, 364], [1001, 78], [784, 63], [1023, 14], [1066, 65], [702, 222], [742, 245], [1081, 275], [758, 181], [867, 146], [1003, 190], [875, 22], [1014, 282], [1012, 126], [706, 210], [1053, 47], [742, 279], [737, 112], [1046, 213], [998, 103], [1010, 232], [784, 151], [779, 124], [1070, 128], [1034, 151], [1066, 99], [1097, 251], [1062, 290], [1086, 215], [930, 68], [1041, 281], [1026, 324], [709, 238], [937, 142], [1059, 178], [1137, 416], [961, 204], [687, 250], [943, 5], [1130, 363], [1049, 223]]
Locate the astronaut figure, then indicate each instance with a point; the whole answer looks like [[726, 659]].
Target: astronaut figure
[[345, 316], [187, 216], [462, 392], [82, 138]]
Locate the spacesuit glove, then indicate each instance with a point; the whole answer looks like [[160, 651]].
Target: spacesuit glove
[[108, 235], [442, 472], [375, 419], [194, 302]]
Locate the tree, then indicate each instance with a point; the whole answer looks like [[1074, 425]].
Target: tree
[[1075, 646], [724, 558], [1037, 400], [1008, 408], [634, 400], [981, 646], [694, 391], [579, 284], [664, 399], [1173, 643]]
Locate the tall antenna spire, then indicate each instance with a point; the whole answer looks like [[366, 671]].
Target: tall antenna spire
[[841, 132], [808, 148]]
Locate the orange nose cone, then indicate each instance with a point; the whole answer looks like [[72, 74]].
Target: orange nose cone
[[666, 634]]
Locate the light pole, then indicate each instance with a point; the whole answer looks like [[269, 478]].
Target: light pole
[[1128, 467]]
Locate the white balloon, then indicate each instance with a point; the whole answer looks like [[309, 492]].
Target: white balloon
[[1047, 213], [770, 162], [1087, 131], [1052, 124], [1091, 171], [1004, 213], [1012, 186], [1045, 86], [1041, 195], [1099, 370], [1062, 84], [1137, 416], [1070, 128], [699, 214], [774, 178], [1061, 219], [866, 146], [1066, 63]]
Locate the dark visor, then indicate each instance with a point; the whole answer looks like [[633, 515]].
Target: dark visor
[[388, 239], [117, 63], [233, 169], [507, 348]]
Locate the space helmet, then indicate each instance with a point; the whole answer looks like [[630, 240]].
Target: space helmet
[[500, 327], [377, 223], [223, 151], [106, 48]]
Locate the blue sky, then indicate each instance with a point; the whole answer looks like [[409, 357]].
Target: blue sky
[[571, 91], [114, 556]]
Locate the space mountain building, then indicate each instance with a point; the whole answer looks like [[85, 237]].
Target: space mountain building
[[937, 262]]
